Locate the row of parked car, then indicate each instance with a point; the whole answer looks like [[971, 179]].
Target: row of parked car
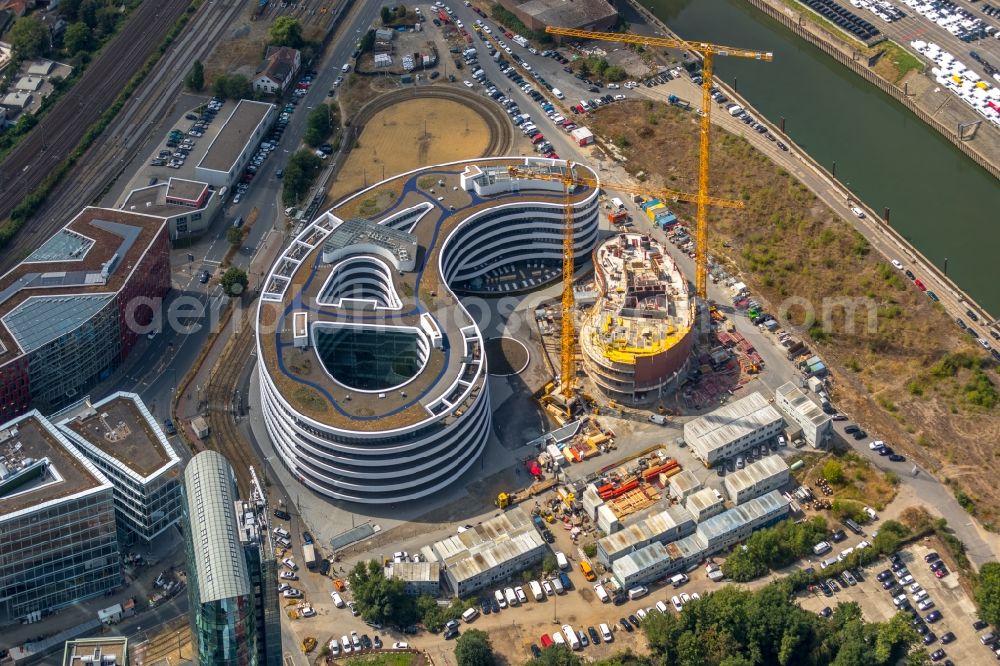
[[180, 143]]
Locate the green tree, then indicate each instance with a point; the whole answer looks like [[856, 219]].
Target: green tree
[[107, 20], [386, 15], [367, 42], [78, 37], [234, 281], [557, 655], [318, 125], [380, 599], [70, 10], [549, 563], [232, 86], [894, 638], [590, 550], [988, 593], [473, 648], [195, 79], [29, 37], [584, 68], [88, 12], [286, 31], [301, 171], [833, 472], [234, 235]]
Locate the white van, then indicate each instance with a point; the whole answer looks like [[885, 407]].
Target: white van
[[558, 93], [501, 600], [558, 639], [606, 633], [821, 547], [602, 594], [557, 585], [678, 580], [585, 104], [346, 68], [469, 615], [561, 560], [571, 638], [735, 110], [536, 590], [280, 532], [638, 592], [511, 597]]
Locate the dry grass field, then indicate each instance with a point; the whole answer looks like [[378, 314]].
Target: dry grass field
[[914, 380], [411, 135]]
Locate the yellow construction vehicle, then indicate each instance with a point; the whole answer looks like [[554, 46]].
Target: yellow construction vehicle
[[308, 644], [708, 53], [503, 500]]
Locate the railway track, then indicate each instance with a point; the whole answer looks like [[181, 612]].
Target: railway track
[[63, 127], [123, 138], [221, 402]]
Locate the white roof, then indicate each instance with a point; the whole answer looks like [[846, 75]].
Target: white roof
[[800, 403], [702, 500], [640, 560], [488, 544], [755, 473], [729, 423]]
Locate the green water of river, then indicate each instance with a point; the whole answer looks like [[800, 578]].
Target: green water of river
[[942, 201]]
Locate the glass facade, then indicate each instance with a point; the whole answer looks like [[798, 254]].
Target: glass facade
[[368, 359], [59, 555], [232, 586]]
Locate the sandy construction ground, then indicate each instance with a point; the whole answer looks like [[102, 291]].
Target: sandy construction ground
[[410, 135]]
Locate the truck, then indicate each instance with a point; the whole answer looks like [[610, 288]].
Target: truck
[[678, 102], [588, 571], [309, 553]]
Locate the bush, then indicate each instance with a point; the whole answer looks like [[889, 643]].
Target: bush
[[300, 172], [833, 472], [232, 86]]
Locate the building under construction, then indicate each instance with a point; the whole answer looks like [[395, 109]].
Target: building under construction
[[637, 339]]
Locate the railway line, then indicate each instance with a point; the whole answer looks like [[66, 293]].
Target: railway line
[[123, 138], [221, 401], [61, 129]]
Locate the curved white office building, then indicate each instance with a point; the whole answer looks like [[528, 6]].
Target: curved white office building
[[372, 373]]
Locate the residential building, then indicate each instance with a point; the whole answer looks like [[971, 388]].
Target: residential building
[[57, 517], [121, 437], [733, 429], [817, 426], [277, 71], [704, 504], [73, 309], [234, 145], [420, 577], [224, 602], [395, 413], [767, 474], [490, 552]]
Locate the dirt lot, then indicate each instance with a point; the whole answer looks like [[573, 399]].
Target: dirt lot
[[410, 135], [907, 377], [958, 609]]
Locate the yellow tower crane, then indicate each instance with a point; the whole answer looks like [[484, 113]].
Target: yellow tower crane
[[569, 179], [708, 52]]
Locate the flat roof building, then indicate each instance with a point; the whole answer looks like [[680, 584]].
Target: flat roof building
[[121, 437], [767, 474], [103, 651], [816, 425], [583, 14], [188, 206], [57, 517], [490, 552], [704, 504], [233, 146], [72, 310], [732, 429], [420, 577]]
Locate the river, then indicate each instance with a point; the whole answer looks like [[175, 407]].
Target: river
[[940, 200]]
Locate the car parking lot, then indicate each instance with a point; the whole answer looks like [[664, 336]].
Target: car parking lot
[[957, 610]]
